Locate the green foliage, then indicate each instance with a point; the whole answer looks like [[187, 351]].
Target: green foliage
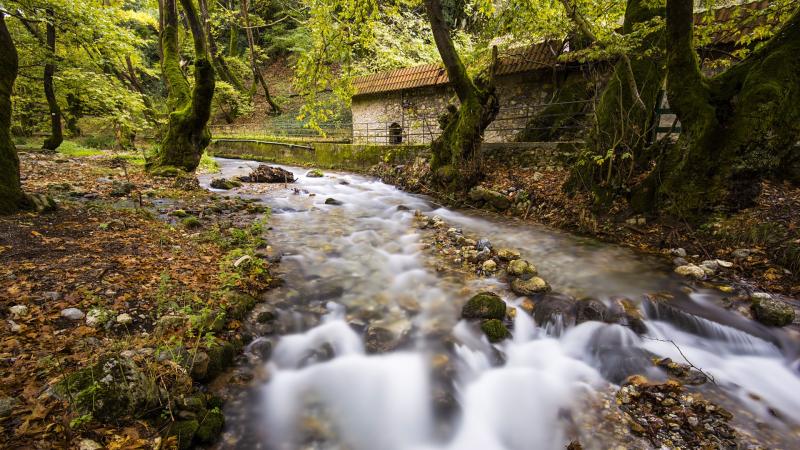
[[230, 103], [73, 149]]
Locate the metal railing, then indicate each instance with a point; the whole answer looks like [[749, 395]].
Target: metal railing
[[417, 129]]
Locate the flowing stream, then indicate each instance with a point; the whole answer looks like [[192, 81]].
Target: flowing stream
[[364, 263]]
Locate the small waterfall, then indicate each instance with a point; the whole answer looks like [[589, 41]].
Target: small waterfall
[[362, 263]]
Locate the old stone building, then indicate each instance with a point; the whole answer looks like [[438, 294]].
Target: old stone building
[[403, 105]]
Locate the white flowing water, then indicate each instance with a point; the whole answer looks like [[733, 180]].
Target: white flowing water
[[363, 262]]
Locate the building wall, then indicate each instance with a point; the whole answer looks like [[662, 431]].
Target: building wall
[[417, 110]]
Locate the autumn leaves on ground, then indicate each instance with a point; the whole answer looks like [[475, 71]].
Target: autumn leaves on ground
[[139, 279]]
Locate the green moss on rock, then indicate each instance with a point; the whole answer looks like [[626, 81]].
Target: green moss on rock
[[772, 312], [185, 431], [485, 305], [495, 330], [210, 427]]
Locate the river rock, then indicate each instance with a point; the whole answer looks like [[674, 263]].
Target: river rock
[[199, 364], [679, 252], [591, 309], [315, 173], [668, 416], [521, 268], [224, 184], [691, 270], [72, 314], [268, 174], [382, 338], [551, 306], [483, 244], [495, 199], [261, 348], [773, 312], [485, 305], [507, 254], [489, 266], [124, 319], [7, 405], [18, 311], [333, 201], [529, 287], [494, 330]]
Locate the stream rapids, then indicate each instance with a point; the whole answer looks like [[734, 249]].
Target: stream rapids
[[363, 262]]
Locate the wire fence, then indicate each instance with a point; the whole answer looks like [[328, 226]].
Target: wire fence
[[561, 121]]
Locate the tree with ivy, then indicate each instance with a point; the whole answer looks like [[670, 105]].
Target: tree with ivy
[[187, 133]]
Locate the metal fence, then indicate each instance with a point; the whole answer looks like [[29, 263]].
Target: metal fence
[[422, 129]]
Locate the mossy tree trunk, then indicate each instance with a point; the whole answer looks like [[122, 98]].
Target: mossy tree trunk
[[737, 127], [190, 106], [456, 157], [624, 116], [258, 78], [56, 134], [10, 190]]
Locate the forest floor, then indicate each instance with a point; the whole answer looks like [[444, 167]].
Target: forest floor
[[150, 276], [761, 242]]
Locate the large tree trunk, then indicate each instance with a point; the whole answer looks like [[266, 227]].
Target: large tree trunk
[[10, 189], [456, 157], [737, 128], [56, 135], [190, 108], [624, 116], [257, 77]]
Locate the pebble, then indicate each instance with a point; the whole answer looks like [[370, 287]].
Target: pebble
[[679, 252], [489, 265], [690, 270], [483, 244], [72, 314], [15, 327], [88, 444], [19, 310], [124, 319]]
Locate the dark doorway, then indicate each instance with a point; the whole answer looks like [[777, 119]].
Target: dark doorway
[[395, 134]]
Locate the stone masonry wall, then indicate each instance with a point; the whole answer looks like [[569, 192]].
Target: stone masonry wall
[[416, 110]]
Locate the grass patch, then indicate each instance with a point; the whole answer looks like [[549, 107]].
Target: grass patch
[[75, 150], [208, 164]]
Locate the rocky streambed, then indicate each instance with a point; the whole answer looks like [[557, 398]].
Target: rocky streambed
[[401, 324]]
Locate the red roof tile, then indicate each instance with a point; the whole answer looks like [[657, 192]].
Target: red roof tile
[[524, 59]]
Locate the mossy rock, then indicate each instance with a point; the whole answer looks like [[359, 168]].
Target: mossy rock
[[191, 222], [521, 268], [225, 184], [495, 330], [185, 431], [772, 312], [180, 213], [210, 426], [530, 287], [239, 304], [112, 389], [166, 172], [485, 305], [220, 357], [315, 173]]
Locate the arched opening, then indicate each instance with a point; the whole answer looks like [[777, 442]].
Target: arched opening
[[395, 134]]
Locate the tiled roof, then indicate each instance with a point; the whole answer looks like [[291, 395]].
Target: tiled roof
[[524, 59], [746, 18]]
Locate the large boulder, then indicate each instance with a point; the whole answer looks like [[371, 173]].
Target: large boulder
[[268, 174], [550, 307], [529, 287], [591, 309], [485, 305], [112, 389], [772, 312], [492, 198]]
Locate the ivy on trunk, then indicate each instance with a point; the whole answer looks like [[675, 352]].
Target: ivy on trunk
[[190, 107], [737, 127], [456, 157], [10, 190]]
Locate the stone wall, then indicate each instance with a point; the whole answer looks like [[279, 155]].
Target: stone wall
[[416, 110], [541, 156]]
